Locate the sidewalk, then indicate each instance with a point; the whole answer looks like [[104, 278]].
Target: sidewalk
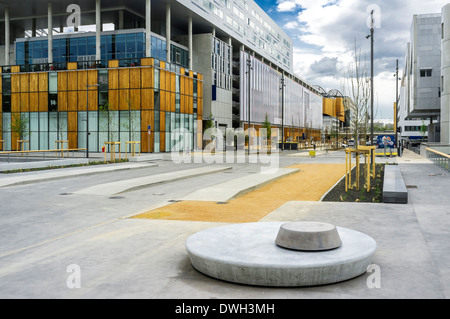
[[308, 183], [124, 257]]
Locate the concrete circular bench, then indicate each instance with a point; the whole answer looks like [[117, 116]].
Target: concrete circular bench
[[247, 254]]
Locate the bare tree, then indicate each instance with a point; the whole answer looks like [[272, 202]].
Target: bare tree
[[358, 89]]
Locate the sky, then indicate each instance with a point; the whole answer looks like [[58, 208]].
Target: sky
[[325, 32]]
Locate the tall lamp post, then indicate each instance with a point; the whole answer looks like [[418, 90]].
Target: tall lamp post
[[249, 67], [87, 117], [397, 141], [371, 75], [282, 112]]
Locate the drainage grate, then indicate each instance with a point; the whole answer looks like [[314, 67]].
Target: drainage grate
[[174, 201], [65, 194], [222, 203], [117, 197], [411, 186]]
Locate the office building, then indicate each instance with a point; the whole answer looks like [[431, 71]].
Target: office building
[[113, 71]]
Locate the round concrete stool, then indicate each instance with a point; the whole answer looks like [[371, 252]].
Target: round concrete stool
[[247, 254], [310, 236]]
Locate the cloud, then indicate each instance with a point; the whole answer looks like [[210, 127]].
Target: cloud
[[324, 35], [325, 67], [291, 25], [286, 6]]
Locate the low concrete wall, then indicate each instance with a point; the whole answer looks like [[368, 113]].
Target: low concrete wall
[[394, 188]]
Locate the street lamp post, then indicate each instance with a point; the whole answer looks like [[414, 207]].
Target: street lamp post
[[87, 117], [396, 112], [282, 112], [371, 75], [249, 67]]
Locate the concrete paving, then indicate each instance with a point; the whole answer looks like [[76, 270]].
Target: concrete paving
[[226, 191], [52, 174], [122, 186], [86, 246]]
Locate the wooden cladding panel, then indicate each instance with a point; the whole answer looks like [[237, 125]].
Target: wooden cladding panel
[[72, 121], [15, 69], [62, 81], [93, 100], [72, 81], [15, 83], [15, 102], [147, 99], [24, 82], [62, 101], [124, 78], [25, 102], [147, 62], [162, 121], [162, 79], [147, 146], [200, 106], [135, 99], [43, 82], [43, 101], [113, 79], [147, 118], [72, 66], [147, 78], [113, 99], [72, 101], [162, 142], [124, 99], [162, 100], [135, 78]]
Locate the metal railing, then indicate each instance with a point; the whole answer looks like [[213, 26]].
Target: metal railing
[[58, 153], [438, 158]]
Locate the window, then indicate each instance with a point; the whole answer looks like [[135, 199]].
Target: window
[[426, 73]]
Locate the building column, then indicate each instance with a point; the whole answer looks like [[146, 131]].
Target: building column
[[33, 28], [190, 43], [7, 36], [168, 31], [121, 20], [50, 32], [148, 28], [213, 31], [98, 30], [445, 76]]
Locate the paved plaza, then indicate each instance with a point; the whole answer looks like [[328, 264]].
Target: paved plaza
[[91, 221]]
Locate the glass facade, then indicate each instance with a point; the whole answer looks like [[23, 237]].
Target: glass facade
[[60, 112], [124, 46]]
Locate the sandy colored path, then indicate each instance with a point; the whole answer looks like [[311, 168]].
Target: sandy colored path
[[309, 184]]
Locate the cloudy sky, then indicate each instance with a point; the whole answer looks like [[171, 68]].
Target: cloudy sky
[[324, 33]]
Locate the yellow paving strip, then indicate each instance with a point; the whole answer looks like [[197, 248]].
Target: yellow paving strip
[[309, 184]]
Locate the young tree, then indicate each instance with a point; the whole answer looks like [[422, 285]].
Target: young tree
[[358, 88], [19, 126], [268, 127]]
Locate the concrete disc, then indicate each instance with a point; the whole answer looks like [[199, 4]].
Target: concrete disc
[[310, 236], [247, 254]]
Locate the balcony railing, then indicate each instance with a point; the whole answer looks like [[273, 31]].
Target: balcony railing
[[439, 158]]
